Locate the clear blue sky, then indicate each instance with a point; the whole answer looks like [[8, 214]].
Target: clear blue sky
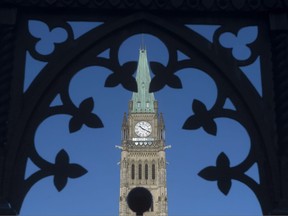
[[97, 192]]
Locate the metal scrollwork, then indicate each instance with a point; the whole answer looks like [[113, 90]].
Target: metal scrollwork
[[218, 58]]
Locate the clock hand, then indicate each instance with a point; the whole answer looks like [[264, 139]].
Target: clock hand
[[144, 129]]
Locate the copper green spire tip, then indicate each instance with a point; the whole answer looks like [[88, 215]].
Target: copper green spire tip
[[143, 101]]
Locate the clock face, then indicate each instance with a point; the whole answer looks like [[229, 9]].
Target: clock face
[[143, 129]]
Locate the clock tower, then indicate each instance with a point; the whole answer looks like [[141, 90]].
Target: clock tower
[[143, 162]]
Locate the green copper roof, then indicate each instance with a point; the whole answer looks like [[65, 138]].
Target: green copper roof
[[143, 101]]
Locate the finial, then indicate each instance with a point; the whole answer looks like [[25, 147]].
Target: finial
[[142, 41], [142, 45], [124, 119]]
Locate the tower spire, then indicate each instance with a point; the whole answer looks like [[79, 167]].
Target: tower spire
[[143, 100], [143, 160]]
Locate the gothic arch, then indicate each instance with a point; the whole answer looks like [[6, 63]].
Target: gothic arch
[[177, 38], [153, 171], [133, 171], [146, 171]]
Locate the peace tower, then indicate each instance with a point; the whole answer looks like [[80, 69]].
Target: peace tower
[[143, 162]]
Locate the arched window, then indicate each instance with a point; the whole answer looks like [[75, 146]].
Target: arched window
[[140, 171], [153, 171], [146, 171], [133, 171]]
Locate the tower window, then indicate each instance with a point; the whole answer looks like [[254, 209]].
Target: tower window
[[146, 171], [153, 171], [138, 104], [133, 171], [140, 171], [147, 104]]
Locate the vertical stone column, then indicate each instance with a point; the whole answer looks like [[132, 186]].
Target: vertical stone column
[[124, 165], [7, 27], [162, 184], [279, 37]]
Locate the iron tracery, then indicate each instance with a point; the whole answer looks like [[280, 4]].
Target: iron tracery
[[267, 134]]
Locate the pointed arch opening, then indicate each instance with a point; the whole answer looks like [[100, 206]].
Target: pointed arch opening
[[146, 171], [133, 171]]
